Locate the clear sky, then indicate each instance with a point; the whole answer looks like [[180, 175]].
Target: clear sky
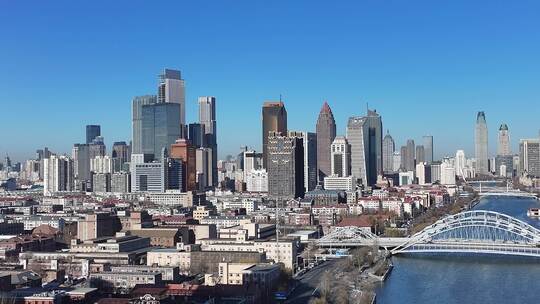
[[426, 66]]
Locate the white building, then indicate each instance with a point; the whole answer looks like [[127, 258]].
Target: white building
[[406, 178], [339, 183], [101, 164], [461, 163], [58, 174], [257, 181], [340, 155], [448, 174]]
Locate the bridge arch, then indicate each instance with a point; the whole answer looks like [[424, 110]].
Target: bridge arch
[[476, 231]]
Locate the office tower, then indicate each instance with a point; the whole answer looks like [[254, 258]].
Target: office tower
[[274, 119], [160, 127], [97, 147], [41, 154], [196, 134], [529, 156], [436, 171], [403, 160], [120, 182], [389, 147], [136, 121], [81, 165], [503, 148], [252, 161], [326, 133], [285, 166], [120, 155], [58, 173], [92, 131], [364, 135], [101, 164], [240, 158], [410, 156], [460, 163], [340, 155], [207, 119], [309, 141], [184, 150], [396, 161], [257, 181], [171, 90], [420, 154], [175, 174], [101, 182], [428, 148], [147, 176], [481, 144], [203, 160]]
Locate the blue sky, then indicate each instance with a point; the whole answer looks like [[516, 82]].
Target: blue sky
[[426, 66]]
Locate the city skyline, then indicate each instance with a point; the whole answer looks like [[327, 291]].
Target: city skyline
[[410, 86]]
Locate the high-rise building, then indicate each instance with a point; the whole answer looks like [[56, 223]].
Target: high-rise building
[[389, 147], [147, 176], [397, 161], [410, 156], [101, 182], [207, 119], [196, 134], [101, 164], [203, 157], [175, 174], [364, 135], [120, 182], [481, 144], [81, 164], [460, 163], [326, 133], [171, 89], [428, 148], [120, 156], [252, 161], [423, 173], [503, 147], [274, 119], [340, 155], [58, 173], [420, 154], [92, 131], [184, 150], [309, 141], [529, 156], [285, 166], [160, 127], [136, 121]]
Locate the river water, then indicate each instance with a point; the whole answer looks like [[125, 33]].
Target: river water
[[467, 279]]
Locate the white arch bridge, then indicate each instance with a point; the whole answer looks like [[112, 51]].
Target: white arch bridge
[[477, 231]]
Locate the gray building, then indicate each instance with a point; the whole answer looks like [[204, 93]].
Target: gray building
[[364, 135], [285, 166], [101, 182], [120, 182], [207, 120], [196, 134], [136, 120], [147, 176], [420, 154], [120, 156], [481, 144], [389, 147], [529, 156], [508, 162], [428, 148], [410, 156], [160, 127]]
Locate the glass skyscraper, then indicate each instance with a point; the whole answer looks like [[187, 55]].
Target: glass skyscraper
[[160, 127], [481, 144]]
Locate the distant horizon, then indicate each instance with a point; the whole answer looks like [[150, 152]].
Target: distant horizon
[[427, 71]]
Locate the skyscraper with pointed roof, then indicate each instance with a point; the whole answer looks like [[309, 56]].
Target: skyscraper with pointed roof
[[388, 150], [326, 133], [481, 144], [503, 148]]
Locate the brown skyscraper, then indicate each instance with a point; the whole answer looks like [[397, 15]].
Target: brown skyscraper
[[185, 151], [274, 119], [326, 133]]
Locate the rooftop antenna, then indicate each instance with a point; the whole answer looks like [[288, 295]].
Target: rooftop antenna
[[280, 98]]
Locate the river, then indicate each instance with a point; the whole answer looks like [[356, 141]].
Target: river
[[467, 279]]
